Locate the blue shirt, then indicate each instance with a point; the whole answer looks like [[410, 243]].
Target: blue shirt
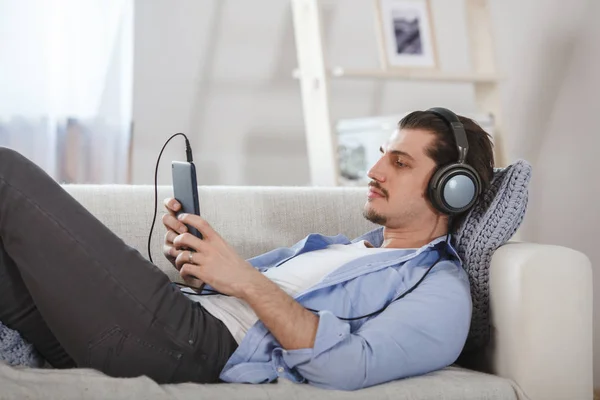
[[422, 332]]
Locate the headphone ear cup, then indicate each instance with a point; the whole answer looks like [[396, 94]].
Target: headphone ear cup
[[454, 188]]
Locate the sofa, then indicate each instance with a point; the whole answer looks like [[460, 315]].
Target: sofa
[[540, 300]]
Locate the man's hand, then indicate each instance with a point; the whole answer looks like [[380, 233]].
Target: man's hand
[[175, 228], [216, 263], [213, 260]]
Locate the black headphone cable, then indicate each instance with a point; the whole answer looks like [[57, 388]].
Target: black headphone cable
[[442, 251], [188, 154]]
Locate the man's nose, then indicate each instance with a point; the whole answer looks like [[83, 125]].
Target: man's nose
[[376, 172]]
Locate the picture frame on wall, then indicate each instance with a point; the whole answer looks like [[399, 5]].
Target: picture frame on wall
[[406, 35]]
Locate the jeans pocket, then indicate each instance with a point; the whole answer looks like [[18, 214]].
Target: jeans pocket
[[121, 354]]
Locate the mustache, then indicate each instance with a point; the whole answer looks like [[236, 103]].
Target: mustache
[[376, 185]]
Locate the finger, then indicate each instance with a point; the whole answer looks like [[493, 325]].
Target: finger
[[171, 252], [190, 271], [189, 241], [167, 251], [181, 259], [172, 205], [199, 223], [171, 223], [193, 282], [170, 236]]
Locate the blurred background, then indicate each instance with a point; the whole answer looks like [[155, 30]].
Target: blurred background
[[91, 89]]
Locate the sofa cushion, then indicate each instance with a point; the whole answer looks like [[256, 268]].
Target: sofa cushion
[[449, 384], [253, 220]]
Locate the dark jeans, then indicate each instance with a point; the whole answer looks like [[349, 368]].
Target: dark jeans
[[84, 298]]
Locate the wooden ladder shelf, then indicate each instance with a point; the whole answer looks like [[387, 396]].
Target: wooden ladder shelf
[[314, 76]]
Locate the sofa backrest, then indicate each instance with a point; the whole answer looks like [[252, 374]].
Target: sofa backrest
[[253, 219]]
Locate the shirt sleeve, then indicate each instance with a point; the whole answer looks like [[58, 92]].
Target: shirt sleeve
[[423, 332]]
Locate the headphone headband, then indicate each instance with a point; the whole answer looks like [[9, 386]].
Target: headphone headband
[[458, 130], [454, 187]]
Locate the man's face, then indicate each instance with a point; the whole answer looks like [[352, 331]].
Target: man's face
[[397, 191]]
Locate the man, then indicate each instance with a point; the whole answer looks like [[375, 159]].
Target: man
[[328, 311]]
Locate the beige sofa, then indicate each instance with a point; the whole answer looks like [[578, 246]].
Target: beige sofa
[[541, 303]]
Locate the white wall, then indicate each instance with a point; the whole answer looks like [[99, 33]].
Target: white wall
[[220, 71], [551, 54]]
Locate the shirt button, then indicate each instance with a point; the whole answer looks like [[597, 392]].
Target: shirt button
[[280, 370]]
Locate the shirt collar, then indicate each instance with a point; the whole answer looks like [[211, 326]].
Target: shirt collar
[[375, 237]]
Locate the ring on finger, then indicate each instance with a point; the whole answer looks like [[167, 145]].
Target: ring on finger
[[190, 257]]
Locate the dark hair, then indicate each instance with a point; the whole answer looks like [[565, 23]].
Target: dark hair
[[444, 151]]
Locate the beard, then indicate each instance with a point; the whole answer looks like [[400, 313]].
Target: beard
[[374, 217]]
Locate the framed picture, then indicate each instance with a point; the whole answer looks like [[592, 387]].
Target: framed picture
[[406, 34]]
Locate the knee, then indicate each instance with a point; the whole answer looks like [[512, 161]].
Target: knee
[[9, 156]]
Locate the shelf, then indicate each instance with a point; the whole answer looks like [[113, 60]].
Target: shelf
[[315, 76], [342, 73]]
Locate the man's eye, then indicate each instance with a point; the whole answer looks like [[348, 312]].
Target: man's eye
[[400, 164]]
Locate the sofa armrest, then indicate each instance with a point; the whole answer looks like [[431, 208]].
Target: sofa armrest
[[541, 316]]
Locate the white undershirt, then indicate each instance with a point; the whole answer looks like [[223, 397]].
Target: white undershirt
[[293, 277]]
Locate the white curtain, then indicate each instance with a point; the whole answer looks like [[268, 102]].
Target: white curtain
[[66, 86]]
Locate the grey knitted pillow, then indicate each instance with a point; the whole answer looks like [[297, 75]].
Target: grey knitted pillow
[[491, 222], [14, 350]]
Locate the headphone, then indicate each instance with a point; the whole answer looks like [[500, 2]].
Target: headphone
[[454, 187]]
